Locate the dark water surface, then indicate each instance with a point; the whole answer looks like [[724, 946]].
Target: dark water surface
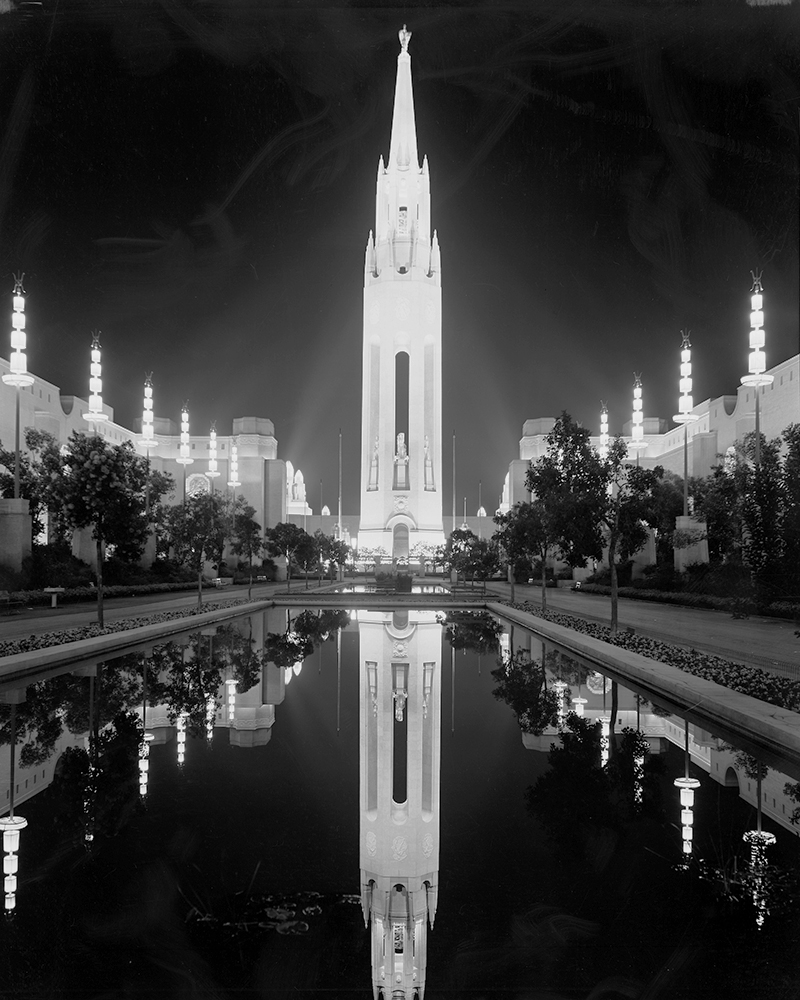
[[245, 871]]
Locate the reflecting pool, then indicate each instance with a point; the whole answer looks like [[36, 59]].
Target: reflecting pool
[[391, 803]]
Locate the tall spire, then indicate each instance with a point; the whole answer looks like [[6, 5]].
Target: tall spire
[[403, 148]]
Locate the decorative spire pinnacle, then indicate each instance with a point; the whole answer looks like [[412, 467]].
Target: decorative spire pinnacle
[[403, 146]]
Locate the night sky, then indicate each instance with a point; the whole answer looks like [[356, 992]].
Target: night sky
[[197, 181]]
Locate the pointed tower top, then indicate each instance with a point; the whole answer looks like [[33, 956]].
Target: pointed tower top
[[403, 147]]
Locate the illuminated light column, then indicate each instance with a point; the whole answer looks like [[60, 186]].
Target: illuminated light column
[[684, 415], [580, 704], [180, 736], [18, 375], [11, 826], [605, 741], [233, 482], [758, 841], [603, 449], [638, 443], [211, 712], [185, 457], [144, 763], [147, 442], [231, 692], [95, 413], [213, 471], [560, 687], [687, 788], [756, 376]]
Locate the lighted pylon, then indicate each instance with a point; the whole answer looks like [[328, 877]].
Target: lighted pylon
[[18, 373], [637, 442], [603, 449], [11, 827], [148, 440], [757, 364], [687, 788], [234, 469], [213, 471], [95, 414], [185, 456]]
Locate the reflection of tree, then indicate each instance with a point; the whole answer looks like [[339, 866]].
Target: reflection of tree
[[308, 631], [522, 684], [577, 800], [475, 630]]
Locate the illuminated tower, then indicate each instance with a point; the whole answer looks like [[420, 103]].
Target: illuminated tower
[[401, 419], [399, 768]]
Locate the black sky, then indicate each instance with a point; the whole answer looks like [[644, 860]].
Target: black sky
[[197, 181]]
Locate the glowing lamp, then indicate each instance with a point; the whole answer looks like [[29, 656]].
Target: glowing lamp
[[185, 457], [757, 364], [11, 827], [637, 419], [18, 374], [234, 470], [148, 438], [603, 449], [95, 414], [213, 471], [579, 704]]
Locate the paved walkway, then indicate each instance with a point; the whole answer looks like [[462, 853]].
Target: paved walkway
[[764, 642]]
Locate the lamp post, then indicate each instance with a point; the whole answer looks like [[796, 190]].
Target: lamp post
[[638, 442], [213, 471], [11, 826], [185, 457], [147, 441], [18, 374], [687, 787], [233, 482], [757, 367], [95, 414], [684, 415], [603, 449]]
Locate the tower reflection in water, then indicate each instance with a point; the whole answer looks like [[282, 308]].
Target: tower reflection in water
[[399, 759]]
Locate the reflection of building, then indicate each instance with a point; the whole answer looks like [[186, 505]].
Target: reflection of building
[[399, 767], [401, 415]]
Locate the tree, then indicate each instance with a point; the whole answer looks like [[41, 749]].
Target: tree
[[625, 512], [526, 533], [457, 552], [38, 467], [198, 529], [102, 487], [484, 559], [306, 554], [570, 481], [284, 540], [247, 540]]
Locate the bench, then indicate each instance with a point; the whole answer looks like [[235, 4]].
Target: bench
[[54, 592]]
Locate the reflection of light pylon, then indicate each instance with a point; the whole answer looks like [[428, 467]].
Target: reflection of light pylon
[[144, 763], [759, 841]]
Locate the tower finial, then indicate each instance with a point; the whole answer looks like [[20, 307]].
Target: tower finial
[[405, 37]]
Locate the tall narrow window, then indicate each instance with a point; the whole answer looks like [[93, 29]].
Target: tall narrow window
[[401, 453]]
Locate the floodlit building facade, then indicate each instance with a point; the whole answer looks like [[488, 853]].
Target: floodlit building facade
[[401, 422]]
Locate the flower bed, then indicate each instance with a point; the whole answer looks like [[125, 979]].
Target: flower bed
[[47, 639], [777, 609], [780, 691]]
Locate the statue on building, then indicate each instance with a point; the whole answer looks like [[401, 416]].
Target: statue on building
[[372, 484], [401, 463], [429, 483]]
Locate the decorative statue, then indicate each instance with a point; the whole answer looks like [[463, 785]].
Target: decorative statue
[[401, 464], [373, 466], [402, 455], [429, 484]]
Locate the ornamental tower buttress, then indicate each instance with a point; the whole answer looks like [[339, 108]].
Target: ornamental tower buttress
[[401, 421]]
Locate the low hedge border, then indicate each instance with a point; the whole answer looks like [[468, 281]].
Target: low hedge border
[[47, 639], [33, 598], [777, 609], [771, 688]]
